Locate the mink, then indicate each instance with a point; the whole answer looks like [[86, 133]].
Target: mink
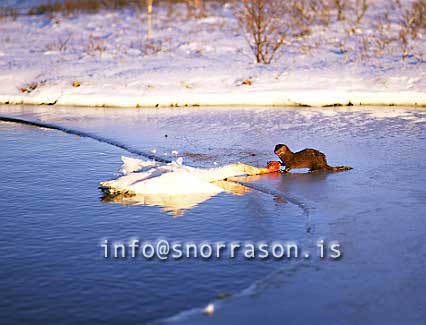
[[313, 159]]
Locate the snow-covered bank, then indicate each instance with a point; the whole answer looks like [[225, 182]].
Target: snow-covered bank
[[105, 59], [308, 97]]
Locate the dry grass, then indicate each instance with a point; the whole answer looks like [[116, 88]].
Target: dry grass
[[69, 6], [8, 12], [195, 8]]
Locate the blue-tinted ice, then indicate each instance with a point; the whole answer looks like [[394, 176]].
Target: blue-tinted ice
[[53, 218]]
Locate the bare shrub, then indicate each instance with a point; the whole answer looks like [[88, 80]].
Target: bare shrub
[[340, 6], [195, 8], [269, 24], [411, 21], [413, 24], [360, 9], [397, 30], [60, 45], [417, 16], [321, 10], [95, 46], [151, 47], [354, 9]]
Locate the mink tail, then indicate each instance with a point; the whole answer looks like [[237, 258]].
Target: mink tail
[[338, 168]]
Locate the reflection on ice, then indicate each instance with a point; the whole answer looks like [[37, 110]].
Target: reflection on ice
[[173, 204]]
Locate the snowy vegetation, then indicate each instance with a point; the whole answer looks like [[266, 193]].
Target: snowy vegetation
[[246, 52]]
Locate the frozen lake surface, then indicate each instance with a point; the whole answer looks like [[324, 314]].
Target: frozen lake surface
[[53, 217]]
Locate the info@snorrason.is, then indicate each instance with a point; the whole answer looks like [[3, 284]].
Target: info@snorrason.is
[[164, 249]]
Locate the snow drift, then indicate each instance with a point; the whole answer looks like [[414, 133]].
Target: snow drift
[[148, 177]]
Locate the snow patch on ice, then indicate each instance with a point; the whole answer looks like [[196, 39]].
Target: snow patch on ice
[[148, 177]]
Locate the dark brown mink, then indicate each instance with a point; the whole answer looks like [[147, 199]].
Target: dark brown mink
[[313, 159]]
